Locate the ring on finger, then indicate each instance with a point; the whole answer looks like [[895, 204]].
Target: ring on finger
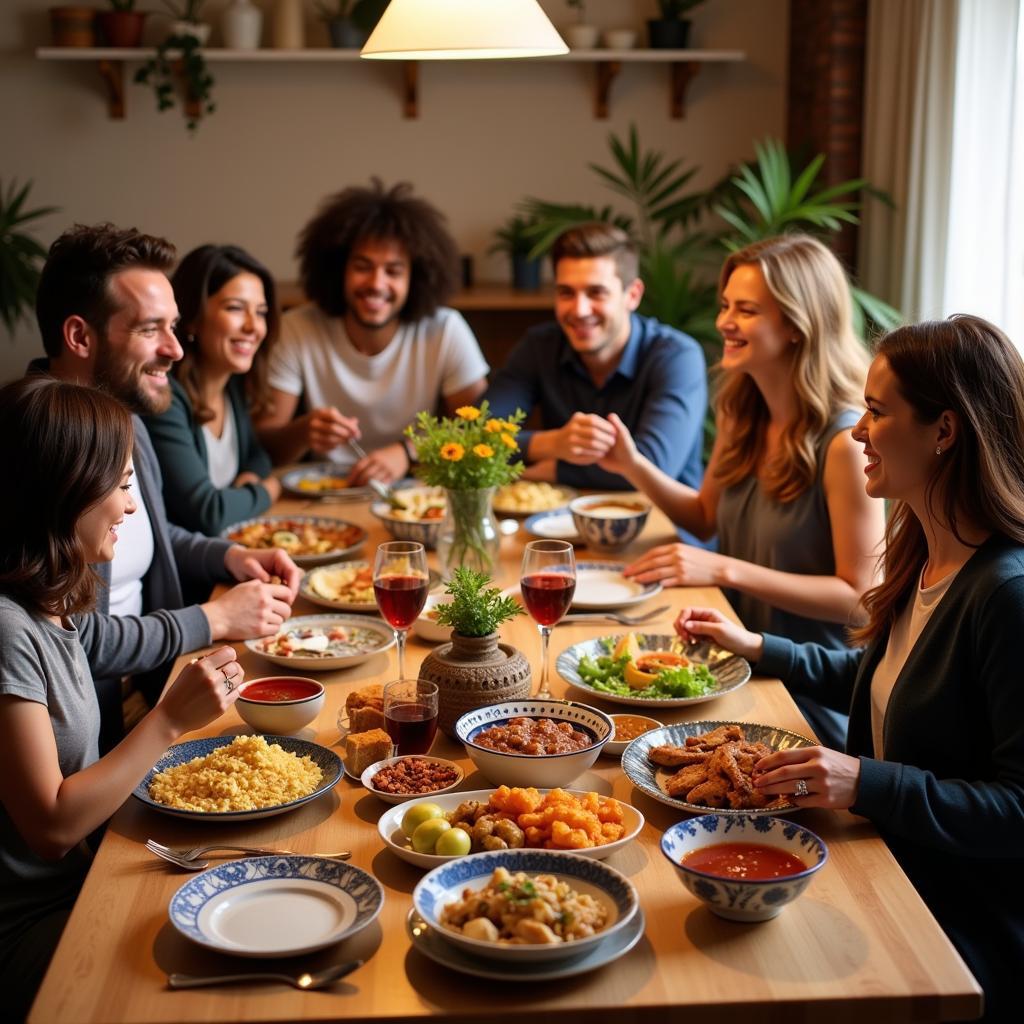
[[801, 788], [229, 684]]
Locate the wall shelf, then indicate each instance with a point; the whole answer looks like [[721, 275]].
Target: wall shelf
[[683, 66]]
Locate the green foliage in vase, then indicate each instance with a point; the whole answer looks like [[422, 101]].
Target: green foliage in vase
[[475, 609], [20, 254]]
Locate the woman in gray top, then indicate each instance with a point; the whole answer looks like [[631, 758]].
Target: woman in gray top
[[798, 536], [67, 458]]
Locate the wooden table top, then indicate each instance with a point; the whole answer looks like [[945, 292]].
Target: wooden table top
[[859, 944]]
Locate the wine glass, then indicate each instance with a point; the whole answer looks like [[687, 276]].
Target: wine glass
[[410, 714], [400, 584], [548, 581]]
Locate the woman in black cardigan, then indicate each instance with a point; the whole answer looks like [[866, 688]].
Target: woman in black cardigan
[[935, 754]]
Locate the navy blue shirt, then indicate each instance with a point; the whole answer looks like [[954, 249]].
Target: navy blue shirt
[[659, 390]]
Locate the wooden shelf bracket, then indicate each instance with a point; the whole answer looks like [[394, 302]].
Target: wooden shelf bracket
[[410, 90], [683, 72], [112, 73], [607, 70]]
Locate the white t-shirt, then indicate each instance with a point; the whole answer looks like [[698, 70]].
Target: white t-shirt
[[425, 361], [133, 555], [222, 452]]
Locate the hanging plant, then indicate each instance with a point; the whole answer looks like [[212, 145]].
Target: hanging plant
[[180, 55]]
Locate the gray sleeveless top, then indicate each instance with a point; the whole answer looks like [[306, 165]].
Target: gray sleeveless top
[[793, 537]]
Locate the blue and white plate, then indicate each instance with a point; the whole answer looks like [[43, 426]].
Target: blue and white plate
[[447, 883], [328, 762], [651, 778], [313, 474], [557, 524], [366, 637], [275, 906], [323, 527], [602, 585], [434, 947]]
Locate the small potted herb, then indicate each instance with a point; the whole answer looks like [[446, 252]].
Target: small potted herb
[[671, 31], [580, 36], [475, 669], [516, 238]]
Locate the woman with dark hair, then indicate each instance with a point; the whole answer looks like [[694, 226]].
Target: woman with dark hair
[[214, 469], [67, 458], [935, 756]]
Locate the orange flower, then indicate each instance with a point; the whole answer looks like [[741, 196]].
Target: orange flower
[[494, 426], [509, 441], [452, 452], [468, 412], [485, 451]]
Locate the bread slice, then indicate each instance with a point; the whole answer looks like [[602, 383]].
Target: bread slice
[[364, 748], [369, 696], [362, 719]]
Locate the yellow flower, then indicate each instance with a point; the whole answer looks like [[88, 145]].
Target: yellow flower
[[485, 451], [468, 412], [494, 426], [509, 441], [512, 428], [452, 452]]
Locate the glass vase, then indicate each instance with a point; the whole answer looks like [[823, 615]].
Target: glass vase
[[469, 534]]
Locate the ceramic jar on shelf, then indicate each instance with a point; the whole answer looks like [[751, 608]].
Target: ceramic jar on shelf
[[241, 25]]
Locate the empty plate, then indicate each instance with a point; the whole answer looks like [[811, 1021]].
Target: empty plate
[[602, 585]]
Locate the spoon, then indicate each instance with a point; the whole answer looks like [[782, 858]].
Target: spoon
[[306, 980]]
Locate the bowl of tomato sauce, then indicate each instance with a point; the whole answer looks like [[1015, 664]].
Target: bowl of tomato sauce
[[745, 868], [279, 704]]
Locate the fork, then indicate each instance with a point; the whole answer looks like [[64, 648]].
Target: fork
[[382, 491], [317, 979], [189, 859], [625, 620]]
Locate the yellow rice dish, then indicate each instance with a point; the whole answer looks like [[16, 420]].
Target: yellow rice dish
[[245, 775]]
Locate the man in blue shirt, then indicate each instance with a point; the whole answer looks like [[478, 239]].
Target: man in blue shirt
[[601, 357]]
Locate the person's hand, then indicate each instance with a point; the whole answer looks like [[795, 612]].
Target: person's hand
[[693, 624], [263, 564], [269, 483], [586, 438], [200, 693], [831, 778], [386, 464], [248, 610], [623, 455], [545, 469], [679, 565], [326, 428]]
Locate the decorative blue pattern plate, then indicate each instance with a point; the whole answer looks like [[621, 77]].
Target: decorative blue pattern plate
[[376, 633], [275, 906], [328, 762], [325, 522], [602, 585], [651, 778], [434, 947]]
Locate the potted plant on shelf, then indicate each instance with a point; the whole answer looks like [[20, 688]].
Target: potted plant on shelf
[[73, 26], [671, 31], [20, 254], [580, 35], [475, 669], [470, 456], [350, 22], [122, 25], [186, 19], [516, 238]]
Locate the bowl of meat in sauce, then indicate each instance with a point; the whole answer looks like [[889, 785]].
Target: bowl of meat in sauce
[[543, 743], [744, 867]]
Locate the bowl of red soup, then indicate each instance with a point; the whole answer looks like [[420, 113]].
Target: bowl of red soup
[[745, 868], [608, 522], [279, 704]]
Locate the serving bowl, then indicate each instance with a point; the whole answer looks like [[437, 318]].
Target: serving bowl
[[540, 770], [608, 522], [279, 704], [423, 531], [446, 884], [427, 628], [409, 798], [740, 899], [623, 723]]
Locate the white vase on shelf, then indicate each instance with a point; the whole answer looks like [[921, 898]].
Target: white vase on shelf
[[241, 25], [288, 30]]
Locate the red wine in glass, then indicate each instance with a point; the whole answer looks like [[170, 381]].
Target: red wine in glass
[[547, 595], [400, 598], [412, 727]]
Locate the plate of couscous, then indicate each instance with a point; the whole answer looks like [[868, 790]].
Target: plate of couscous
[[238, 778]]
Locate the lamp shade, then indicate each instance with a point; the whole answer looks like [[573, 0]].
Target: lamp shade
[[463, 30]]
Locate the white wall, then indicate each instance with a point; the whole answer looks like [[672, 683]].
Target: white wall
[[283, 136]]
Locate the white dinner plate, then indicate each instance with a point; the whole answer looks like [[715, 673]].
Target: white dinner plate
[[275, 906], [300, 663], [556, 525], [308, 589], [601, 585], [293, 480], [434, 947]]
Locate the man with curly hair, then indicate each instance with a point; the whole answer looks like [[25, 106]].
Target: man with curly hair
[[375, 343]]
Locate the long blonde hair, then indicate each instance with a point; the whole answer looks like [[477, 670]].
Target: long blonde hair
[[829, 367]]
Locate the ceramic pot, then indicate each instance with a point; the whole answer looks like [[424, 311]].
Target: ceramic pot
[[73, 26], [121, 28], [468, 535], [525, 274], [472, 672], [668, 34], [581, 37], [241, 25], [346, 34], [287, 29]]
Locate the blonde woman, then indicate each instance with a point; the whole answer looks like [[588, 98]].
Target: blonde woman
[[797, 535]]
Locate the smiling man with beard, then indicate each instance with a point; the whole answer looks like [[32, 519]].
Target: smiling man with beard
[[375, 344]]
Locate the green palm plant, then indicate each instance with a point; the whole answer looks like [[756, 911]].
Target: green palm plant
[[20, 253]]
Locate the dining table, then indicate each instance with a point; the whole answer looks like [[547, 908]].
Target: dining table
[[858, 945]]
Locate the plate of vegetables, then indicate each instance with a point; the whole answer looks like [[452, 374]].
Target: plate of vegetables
[[652, 670]]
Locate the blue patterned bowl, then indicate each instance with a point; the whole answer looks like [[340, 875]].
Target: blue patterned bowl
[[608, 522], [740, 899], [423, 531], [446, 884]]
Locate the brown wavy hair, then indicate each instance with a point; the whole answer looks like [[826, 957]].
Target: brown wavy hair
[[595, 239], [968, 366], [202, 273], [810, 286], [359, 214], [65, 449]]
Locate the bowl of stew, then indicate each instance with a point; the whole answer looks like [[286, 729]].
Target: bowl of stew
[[744, 867], [533, 742], [279, 704]]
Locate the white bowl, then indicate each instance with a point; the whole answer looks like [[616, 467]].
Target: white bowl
[[619, 38], [445, 885], [404, 798], [608, 522], [430, 629], [540, 770], [740, 899], [282, 717], [614, 747], [390, 827]]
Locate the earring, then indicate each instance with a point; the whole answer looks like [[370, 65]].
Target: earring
[[938, 450]]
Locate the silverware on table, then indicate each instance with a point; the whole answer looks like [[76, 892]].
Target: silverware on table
[[625, 620], [306, 980], [382, 490], [189, 859]]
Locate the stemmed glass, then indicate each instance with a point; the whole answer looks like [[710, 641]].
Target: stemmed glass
[[400, 584], [548, 581]]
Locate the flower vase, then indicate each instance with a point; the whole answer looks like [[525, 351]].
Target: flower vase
[[469, 535]]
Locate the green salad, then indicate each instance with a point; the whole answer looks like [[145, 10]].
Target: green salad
[[606, 674]]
